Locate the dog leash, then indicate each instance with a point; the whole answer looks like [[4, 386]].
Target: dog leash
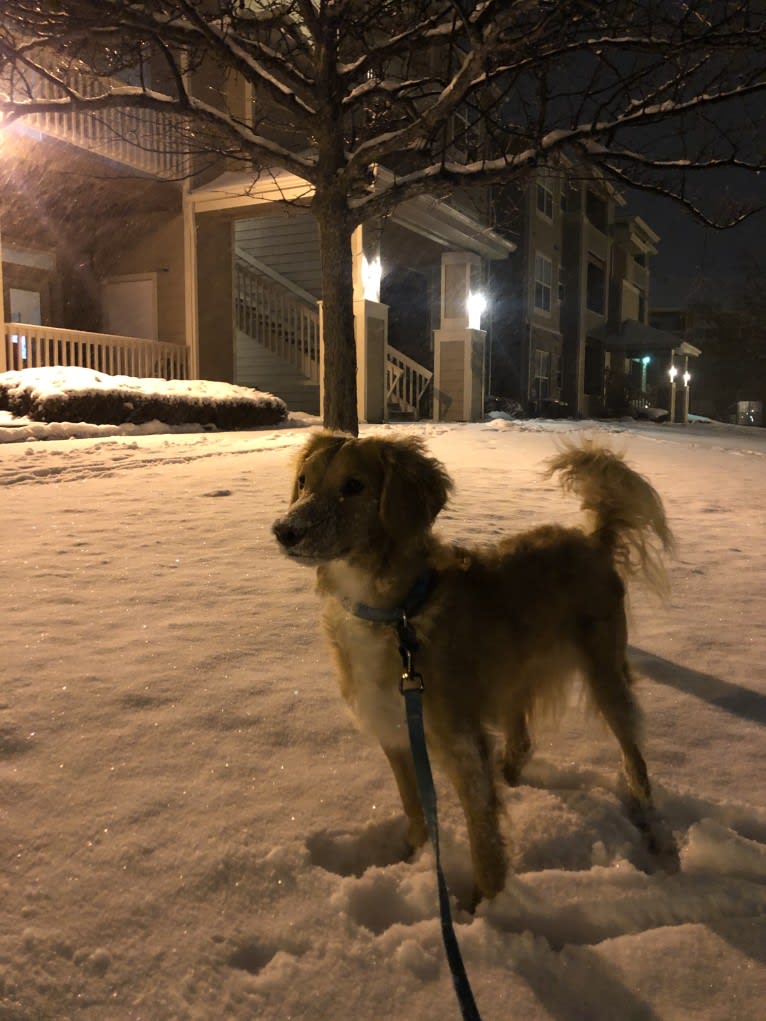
[[411, 686]]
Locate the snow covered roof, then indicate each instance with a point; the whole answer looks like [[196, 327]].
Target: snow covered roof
[[423, 215], [634, 336]]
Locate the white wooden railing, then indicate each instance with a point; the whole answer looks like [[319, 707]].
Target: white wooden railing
[[284, 323], [147, 140], [407, 382], [27, 346]]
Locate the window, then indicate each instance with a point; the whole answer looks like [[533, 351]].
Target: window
[[596, 285], [543, 283], [544, 200], [596, 211], [542, 374], [467, 132]]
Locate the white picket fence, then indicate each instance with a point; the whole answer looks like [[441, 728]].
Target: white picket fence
[[26, 346]]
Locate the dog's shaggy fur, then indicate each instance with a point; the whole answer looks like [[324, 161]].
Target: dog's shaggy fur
[[504, 628]]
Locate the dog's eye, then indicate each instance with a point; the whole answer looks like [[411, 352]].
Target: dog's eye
[[351, 487], [301, 481]]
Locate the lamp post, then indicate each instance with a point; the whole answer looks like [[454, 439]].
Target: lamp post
[[672, 373], [686, 378]]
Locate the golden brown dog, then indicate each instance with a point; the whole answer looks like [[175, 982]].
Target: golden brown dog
[[500, 628]]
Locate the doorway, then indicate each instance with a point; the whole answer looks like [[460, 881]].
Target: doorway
[[129, 306]]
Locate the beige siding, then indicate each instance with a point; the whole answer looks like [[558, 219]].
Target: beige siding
[[629, 304], [161, 251], [477, 376], [215, 298], [287, 243], [452, 380], [257, 367]]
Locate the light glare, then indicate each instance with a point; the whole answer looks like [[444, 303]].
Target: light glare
[[475, 306]]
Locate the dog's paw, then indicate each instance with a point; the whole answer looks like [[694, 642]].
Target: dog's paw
[[512, 773], [656, 835], [662, 846], [417, 837]]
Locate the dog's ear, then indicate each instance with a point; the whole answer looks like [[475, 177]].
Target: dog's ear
[[415, 487], [317, 441]]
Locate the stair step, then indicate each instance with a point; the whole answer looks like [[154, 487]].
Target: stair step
[[257, 366]]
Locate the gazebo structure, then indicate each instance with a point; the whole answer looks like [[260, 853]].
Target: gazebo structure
[[656, 363]]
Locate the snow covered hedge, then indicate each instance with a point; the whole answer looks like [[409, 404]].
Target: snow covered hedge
[[61, 394]]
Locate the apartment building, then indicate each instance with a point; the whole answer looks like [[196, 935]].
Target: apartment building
[[571, 331], [121, 253]]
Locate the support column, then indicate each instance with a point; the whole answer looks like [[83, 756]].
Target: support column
[[3, 354], [672, 373], [215, 297], [370, 326], [686, 378], [459, 344], [191, 312]]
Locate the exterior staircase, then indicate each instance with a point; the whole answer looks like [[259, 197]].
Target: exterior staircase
[[277, 335], [278, 345]]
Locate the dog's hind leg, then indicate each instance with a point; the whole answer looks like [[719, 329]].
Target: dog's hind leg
[[612, 694], [403, 768], [518, 746]]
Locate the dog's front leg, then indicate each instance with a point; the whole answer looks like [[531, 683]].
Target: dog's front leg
[[467, 761], [403, 768]]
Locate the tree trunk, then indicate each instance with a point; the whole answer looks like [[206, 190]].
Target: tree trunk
[[339, 410]]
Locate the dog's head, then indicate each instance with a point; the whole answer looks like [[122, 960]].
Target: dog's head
[[354, 499]]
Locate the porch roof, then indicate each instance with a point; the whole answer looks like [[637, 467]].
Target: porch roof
[[423, 215], [450, 227], [639, 338], [237, 190]]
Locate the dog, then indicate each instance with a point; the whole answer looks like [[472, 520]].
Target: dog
[[501, 629]]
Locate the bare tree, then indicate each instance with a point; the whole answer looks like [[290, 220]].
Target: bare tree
[[442, 93]]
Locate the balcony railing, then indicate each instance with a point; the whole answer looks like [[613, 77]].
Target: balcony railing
[[407, 383], [26, 346], [147, 140], [284, 323], [287, 324]]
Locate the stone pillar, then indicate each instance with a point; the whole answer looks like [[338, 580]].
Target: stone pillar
[[370, 326], [459, 344]]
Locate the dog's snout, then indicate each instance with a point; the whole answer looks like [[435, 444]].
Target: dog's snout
[[286, 534]]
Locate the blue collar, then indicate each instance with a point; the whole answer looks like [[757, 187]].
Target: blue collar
[[412, 604]]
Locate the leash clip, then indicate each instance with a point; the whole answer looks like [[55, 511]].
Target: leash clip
[[411, 680]]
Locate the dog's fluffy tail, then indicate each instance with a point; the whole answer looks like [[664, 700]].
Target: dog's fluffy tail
[[627, 513]]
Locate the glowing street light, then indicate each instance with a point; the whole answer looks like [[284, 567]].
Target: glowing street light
[[686, 377], [672, 372]]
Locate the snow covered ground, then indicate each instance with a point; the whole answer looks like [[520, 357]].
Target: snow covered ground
[[192, 829]]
